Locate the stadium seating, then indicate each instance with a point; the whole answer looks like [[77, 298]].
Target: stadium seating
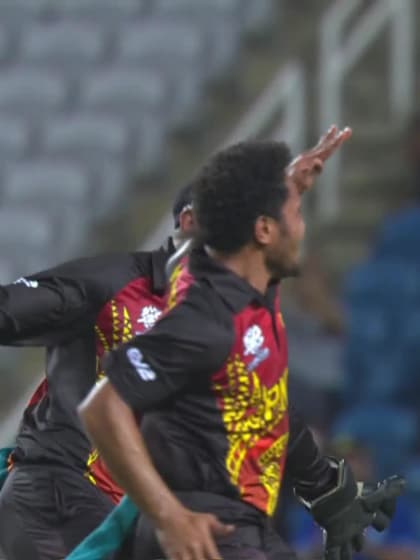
[[176, 49], [32, 93], [18, 11], [382, 357], [412, 474], [389, 431], [61, 191], [14, 138], [46, 182], [220, 24], [90, 91], [400, 236], [121, 90], [68, 44], [107, 11], [29, 229], [87, 136], [257, 16], [382, 352]]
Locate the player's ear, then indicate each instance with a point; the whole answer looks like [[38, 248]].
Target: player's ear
[[264, 230]]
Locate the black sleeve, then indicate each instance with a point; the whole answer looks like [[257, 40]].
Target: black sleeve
[[53, 305], [310, 471], [189, 343]]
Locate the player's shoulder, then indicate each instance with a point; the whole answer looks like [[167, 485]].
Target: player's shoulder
[[200, 322], [201, 306], [115, 270]]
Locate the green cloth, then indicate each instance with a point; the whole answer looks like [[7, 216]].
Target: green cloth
[[109, 536], [4, 457]]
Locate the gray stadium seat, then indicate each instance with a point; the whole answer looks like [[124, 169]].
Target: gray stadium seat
[[110, 189], [150, 145], [29, 91], [86, 136], [15, 11], [22, 258], [22, 226], [223, 7], [160, 38], [175, 48], [46, 183], [8, 274], [14, 137], [43, 260], [124, 91], [99, 10], [225, 48], [5, 43], [258, 15], [218, 21], [58, 229], [105, 145], [63, 43], [113, 177]]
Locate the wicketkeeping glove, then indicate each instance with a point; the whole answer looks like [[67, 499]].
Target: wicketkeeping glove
[[350, 507]]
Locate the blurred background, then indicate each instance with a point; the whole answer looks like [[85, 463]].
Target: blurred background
[[107, 107]]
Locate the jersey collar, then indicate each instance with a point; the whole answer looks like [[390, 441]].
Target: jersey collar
[[235, 291]]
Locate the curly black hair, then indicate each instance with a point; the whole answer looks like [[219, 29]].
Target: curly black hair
[[237, 185]]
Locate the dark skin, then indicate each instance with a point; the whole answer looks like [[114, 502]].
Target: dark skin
[[307, 165], [184, 534]]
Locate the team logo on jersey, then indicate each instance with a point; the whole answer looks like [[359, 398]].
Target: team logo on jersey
[[253, 343], [135, 357], [149, 315], [253, 340]]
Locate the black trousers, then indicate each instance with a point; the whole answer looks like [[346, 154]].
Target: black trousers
[[46, 511], [251, 540], [246, 543]]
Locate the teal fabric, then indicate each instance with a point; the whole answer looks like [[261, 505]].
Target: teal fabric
[[109, 536], [4, 456]]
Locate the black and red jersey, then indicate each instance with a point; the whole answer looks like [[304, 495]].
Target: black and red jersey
[[215, 401], [78, 311], [309, 471], [212, 376]]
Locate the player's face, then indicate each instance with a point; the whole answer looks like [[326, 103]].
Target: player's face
[[283, 252]]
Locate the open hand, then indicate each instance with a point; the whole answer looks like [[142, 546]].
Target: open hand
[[303, 170]]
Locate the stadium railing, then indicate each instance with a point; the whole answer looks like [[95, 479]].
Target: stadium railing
[[340, 51]]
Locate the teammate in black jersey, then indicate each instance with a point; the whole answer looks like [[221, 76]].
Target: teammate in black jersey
[[58, 489]]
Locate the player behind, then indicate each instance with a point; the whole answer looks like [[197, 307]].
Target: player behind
[[58, 489]]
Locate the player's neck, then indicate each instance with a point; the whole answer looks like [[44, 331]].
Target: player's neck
[[247, 264]]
